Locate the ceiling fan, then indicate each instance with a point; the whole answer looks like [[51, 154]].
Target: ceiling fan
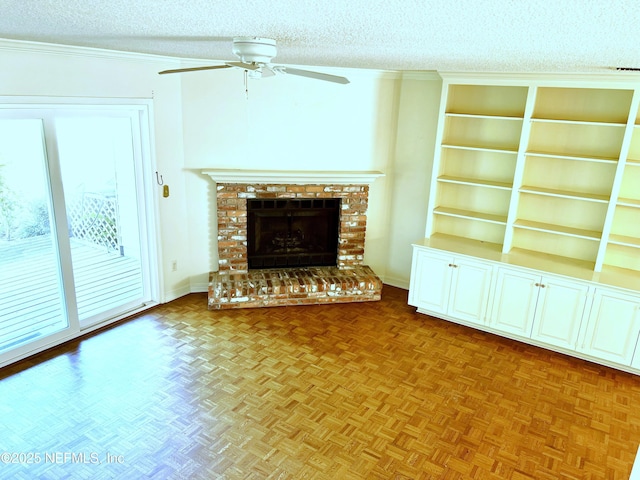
[[255, 54]]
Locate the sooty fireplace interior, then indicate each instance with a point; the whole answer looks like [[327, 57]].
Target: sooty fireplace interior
[[292, 232]]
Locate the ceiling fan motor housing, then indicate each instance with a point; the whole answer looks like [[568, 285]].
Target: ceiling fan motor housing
[[254, 49]]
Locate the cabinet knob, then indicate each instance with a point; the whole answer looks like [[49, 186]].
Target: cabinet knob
[[537, 284]]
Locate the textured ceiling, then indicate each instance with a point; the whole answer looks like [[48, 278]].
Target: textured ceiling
[[446, 35]]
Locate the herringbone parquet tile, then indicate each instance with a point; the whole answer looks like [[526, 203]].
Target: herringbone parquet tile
[[350, 391]]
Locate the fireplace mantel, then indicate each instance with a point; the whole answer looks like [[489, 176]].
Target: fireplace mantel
[[289, 177]]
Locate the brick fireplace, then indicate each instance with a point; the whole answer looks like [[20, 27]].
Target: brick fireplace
[[236, 285]]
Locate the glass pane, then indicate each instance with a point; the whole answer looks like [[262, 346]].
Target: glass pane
[[97, 163], [31, 305]]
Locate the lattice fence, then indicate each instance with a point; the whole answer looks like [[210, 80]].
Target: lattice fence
[[94, 218]]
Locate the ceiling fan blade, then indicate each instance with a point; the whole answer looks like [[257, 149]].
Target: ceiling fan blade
[[245, 66], [194, 69], [316, 75]]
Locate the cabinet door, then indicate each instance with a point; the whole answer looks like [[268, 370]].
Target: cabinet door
[[430, 281], [559, 312], [514, 301], [470, 287], [612, 330]]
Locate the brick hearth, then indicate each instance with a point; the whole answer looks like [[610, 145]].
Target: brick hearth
[[294, 286], [234, 285]]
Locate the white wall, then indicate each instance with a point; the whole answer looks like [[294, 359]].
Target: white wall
[[378, 122], [410, 173]]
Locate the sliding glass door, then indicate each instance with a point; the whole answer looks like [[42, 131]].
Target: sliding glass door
[[98, 177], [32, 296], [75, 250]]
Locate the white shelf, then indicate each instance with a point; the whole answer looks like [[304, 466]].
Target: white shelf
[[479, 148], [584, 158], [561, 265], [472, 215], [475, 182], [558, 229], [629, 202], [624, 240], [551, 192], [486, 116], [578, 158], [464, 246], [579, 122], [619, 277]]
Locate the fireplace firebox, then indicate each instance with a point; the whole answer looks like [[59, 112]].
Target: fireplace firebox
[[292, 232]]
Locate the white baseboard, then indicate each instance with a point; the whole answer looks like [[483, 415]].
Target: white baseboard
[[396, 282], [175, 294], [199, 287]]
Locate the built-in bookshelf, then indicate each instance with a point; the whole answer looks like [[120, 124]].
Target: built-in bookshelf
[[480, 137], [533, 230], [542, 168], [570, 162]]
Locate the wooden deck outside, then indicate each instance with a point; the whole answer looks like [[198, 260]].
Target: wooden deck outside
[[30, 300]]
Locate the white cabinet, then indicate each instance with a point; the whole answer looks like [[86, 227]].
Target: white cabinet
[[453, 286], [613, 326], [579, 317], [559, 312], [543, 308], [430, 281], [515, 300], [470, 287]]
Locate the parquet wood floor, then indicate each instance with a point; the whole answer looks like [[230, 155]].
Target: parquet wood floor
[[350, 391]]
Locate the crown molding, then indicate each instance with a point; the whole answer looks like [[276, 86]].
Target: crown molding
[[595, 78], [24, 46], [430, 75]]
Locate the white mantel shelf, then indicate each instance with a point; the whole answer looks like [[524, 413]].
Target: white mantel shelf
[[312, 177]]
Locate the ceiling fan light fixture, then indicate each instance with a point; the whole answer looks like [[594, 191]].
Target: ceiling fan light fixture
[[254, 49]]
